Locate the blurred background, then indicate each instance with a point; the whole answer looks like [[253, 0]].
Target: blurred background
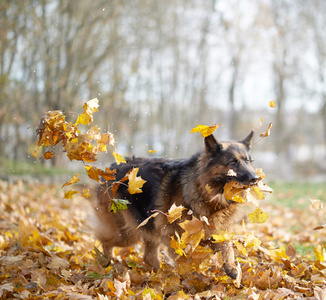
[[159, 68]]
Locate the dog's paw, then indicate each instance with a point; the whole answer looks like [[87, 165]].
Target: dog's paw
[[232, 271]]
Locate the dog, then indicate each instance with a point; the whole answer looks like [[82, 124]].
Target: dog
[[181, 182]]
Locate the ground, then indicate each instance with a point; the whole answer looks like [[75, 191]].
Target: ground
[[48, 251]]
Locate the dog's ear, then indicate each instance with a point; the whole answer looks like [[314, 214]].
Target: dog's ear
[[248, 140], [212, 145]]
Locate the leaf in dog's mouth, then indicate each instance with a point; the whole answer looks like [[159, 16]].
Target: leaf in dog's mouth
[[241, 193]]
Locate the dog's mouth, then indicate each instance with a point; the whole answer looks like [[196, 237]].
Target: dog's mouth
[[240, 183]]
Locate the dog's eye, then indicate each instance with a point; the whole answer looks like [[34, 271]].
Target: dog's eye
[[233, 162]]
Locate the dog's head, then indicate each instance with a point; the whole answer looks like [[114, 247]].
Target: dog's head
[[227, 161]]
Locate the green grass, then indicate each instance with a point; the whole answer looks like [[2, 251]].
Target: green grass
[[34, 168], [296, 194]]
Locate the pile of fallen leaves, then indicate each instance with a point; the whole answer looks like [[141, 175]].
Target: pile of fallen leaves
[[47, 251]]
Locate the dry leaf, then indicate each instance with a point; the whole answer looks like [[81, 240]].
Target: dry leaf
[[118, 158], [272, 104], [267, 132], [258, 216], [73, 180], [317, 204], [205, 130], [135, 183], [175, 212]]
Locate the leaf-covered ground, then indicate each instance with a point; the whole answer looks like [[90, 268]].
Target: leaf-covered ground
[[47, 251]]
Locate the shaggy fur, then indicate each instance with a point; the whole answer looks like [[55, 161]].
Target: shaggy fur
[[175, 181]]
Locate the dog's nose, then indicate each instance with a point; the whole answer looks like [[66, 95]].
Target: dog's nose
[[253, 178]]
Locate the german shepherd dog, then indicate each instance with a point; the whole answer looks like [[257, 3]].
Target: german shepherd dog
[[175, 181]]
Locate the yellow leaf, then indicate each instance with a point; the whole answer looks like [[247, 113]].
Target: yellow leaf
[[317, 204], [84, 119], [267, 132], [241, 248], [261, 121], [251, 241], [152, 151], [177, 245], [86, 194], [91, 105], [73, 180], [272, 104], [103, 148], [92, 173], [118, 158], [233, 192], [260, 173], [175, 212], [205, 130], [69, 194], [135, 183], [257, 193], [320, 253], [258, 216]]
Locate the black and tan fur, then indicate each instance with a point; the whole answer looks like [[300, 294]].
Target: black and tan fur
[[175, 181]]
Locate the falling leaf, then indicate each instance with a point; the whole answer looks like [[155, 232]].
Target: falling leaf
[[73, 180], [86, 194], [69, 194], [272, 104], [205, 130], [258, 216], [86, 117], [119, 204], [261, 121], [152, 151], [267, 132], [147, 219], [135, 183], [118, 158], [175, 212], [48, 155], [317, 204], [92, 172]]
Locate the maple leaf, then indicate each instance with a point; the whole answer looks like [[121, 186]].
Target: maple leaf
[[267, 132], [272, 104], [48, 155], [147, 219], [119, 204], [118, 158], [205, 130], [175, 212], [135, 183], [258, 216], [89, 107], [69, 194], [73, 180], [317, 204], [86, 193], [92, 172]]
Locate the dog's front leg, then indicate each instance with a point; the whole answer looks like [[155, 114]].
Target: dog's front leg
[[227, 252]]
